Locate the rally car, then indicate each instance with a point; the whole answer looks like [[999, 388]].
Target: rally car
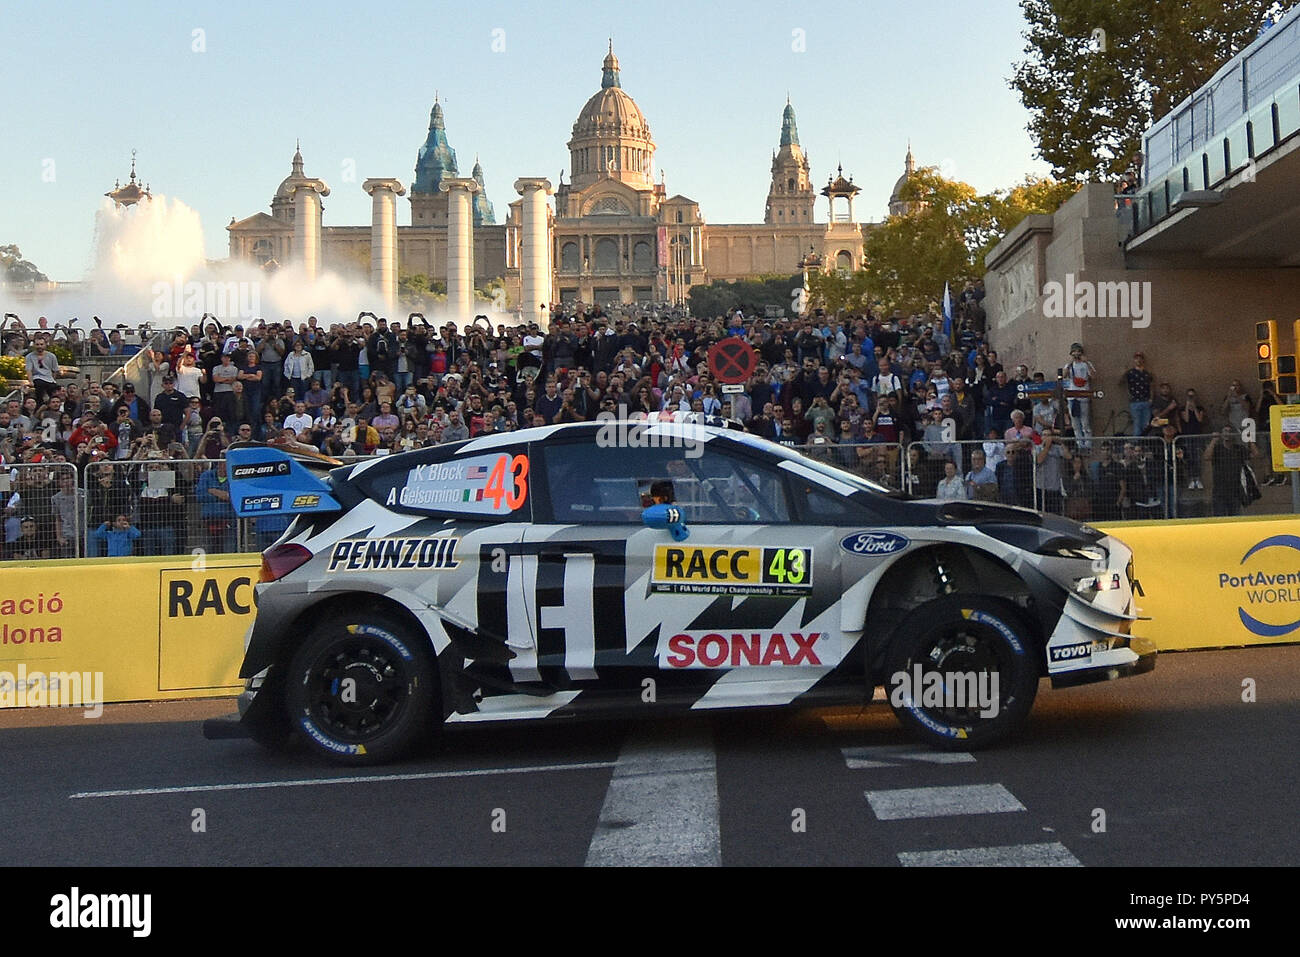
[[637, 568]]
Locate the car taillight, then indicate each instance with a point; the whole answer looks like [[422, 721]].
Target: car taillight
[[279, 560]]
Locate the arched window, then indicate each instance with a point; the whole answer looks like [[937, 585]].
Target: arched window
[[679, 215], [844, 260], [606, 255], [569, 257], [641, 258], [263, 252], [790, 185]]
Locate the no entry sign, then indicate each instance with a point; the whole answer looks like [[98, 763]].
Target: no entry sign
[[732, 361]]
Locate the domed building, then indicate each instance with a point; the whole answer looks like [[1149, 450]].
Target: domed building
[[615, 232], [897, 206]]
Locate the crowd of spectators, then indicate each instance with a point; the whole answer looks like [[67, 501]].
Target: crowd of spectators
[[865, 391]]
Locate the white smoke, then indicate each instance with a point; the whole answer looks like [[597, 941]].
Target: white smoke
[[150, 268]]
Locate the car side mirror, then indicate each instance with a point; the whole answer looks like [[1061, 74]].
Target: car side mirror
[[669, 517]]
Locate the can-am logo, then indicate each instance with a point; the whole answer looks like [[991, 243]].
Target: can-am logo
[[874, 543], [1265, 590]]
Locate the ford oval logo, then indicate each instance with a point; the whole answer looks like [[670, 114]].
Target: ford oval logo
[[874, 543]]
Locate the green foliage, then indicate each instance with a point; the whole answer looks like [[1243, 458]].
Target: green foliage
[[65, 355], [944, 238], [416, 291], [1091, 94], [752, 295], [13, 367], [14, 268]]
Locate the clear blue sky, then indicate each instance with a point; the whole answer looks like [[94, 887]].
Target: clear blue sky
[[86, 83]]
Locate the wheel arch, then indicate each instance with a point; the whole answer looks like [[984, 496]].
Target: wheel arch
[[931, 572], [347, 602]]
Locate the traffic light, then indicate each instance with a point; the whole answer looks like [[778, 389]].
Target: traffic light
[[1286, 375], [1266, 348], [1288, 383]]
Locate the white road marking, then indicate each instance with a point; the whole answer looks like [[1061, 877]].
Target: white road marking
[[906, 803], [369, 779], [662, 805], [888, 756], [1054, 854]]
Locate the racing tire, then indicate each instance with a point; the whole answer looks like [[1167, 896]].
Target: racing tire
[[962, 643], [360, 690]]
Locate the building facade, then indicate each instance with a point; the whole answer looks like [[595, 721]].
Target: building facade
[[614, 233]]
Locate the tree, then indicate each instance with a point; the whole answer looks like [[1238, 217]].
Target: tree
[[752, 295], [1097, 73], [945, 237], [908, 257], [16, 269], [840, 290], [416, 291]]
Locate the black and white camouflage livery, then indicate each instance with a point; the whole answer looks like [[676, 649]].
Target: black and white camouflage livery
[[517, 576]]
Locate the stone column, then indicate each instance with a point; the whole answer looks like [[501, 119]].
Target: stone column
[[535, 255], [460, 247], [383, 235], [306, 223]]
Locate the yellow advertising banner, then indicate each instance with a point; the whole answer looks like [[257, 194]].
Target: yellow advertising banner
[[1284, 430], [1216, 582], [153, 629], [146, 629]]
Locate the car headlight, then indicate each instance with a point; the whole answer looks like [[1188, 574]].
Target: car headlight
[[1088, 553]]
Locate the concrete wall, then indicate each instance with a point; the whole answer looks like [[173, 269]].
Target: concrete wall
[[1201, 331]]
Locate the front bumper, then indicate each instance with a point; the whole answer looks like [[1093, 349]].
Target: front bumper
[[1143, 648]]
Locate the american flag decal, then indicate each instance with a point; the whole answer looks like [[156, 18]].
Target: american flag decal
[[477, 472]]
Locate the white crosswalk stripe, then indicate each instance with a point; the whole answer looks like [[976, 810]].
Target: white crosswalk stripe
[[661, 808], [891, 755], [1054, 854], [907, 803]]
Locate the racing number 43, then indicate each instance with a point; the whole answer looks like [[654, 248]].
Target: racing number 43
[[496, 489], [786, 565]]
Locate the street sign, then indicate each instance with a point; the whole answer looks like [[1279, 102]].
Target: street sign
[[732, 361], [1285, 426]]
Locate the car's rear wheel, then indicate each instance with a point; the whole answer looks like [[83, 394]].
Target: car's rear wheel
[[360, 689], [962, 671]]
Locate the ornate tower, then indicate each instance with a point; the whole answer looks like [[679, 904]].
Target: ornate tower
[[897, 206], [436, 161], [484, 214], [791, 197], [611, 138], [131, 193]]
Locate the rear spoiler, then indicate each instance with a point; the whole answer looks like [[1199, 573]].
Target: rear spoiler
[[279, 480]]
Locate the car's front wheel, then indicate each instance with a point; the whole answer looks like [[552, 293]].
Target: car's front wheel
[[360, 689], [962, 671]]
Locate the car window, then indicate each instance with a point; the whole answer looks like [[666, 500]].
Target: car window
[[593, 485]]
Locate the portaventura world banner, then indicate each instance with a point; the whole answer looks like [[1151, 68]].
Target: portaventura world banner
[[1215, 583]]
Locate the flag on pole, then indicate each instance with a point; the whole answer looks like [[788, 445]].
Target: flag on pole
[[947, 313]]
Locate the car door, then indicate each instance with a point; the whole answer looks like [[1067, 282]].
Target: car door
[[749, 602], [748, 599]]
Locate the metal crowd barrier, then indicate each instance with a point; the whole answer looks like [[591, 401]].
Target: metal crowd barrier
[[1118, 477], [166, 506], [882, 462]]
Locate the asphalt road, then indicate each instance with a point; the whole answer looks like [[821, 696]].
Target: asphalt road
[[1171, 768]]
